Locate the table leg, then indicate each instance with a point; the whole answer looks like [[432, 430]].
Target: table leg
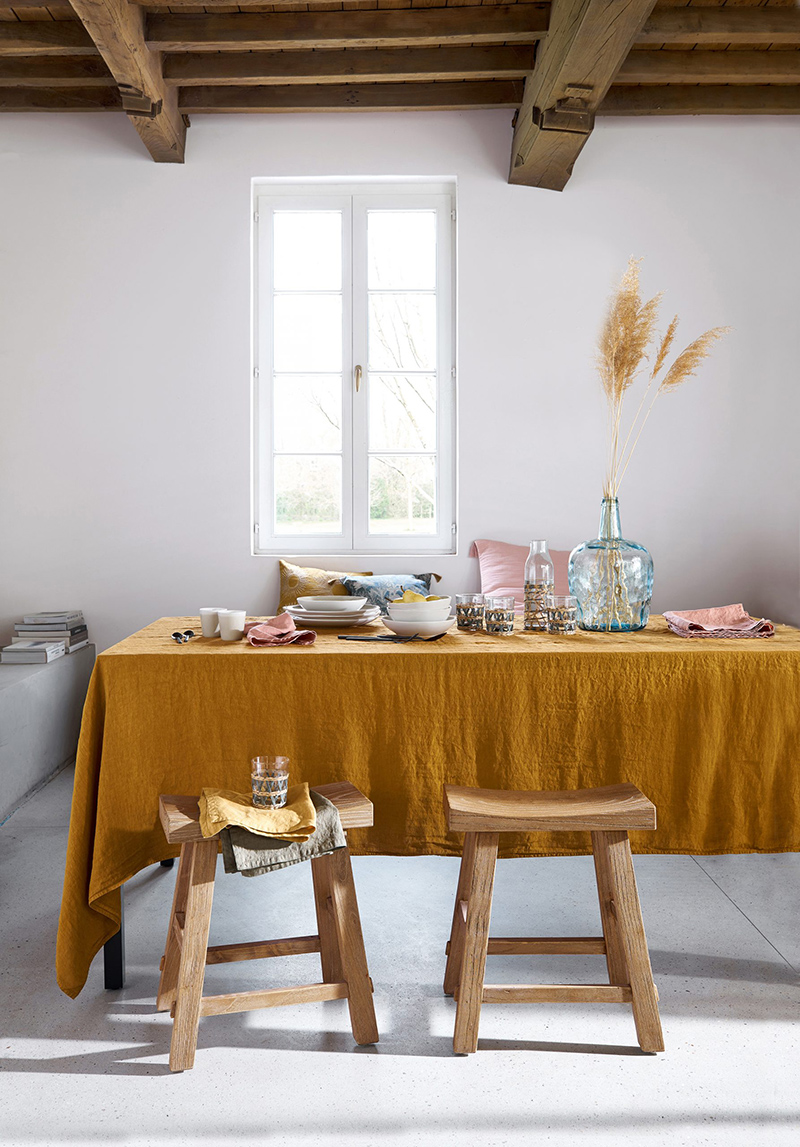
[[114, 952]]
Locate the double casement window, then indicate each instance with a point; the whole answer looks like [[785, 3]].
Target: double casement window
[[354, 368]]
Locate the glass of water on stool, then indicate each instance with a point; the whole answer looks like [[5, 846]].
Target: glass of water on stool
[[269, 779], [562, 613]]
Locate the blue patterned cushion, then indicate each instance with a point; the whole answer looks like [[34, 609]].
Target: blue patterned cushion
[[383, 588]]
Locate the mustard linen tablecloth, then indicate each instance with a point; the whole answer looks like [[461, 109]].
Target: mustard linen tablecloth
[[709, 730]]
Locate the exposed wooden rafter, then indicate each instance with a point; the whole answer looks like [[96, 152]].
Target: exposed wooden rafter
[[376, 65], [60, 99], [54, 72], [722, 26], [418, 27], [46, 37], [710, 68], [346, 97], [761, 99], [575, 66], [117, 29]]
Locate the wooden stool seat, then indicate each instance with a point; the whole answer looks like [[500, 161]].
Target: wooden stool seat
[[621, 807], [339, 940], [608, 813]]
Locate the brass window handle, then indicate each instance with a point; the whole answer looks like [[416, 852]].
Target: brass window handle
[[358, 374]]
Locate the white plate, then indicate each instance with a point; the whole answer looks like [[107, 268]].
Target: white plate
[[331, 603], [305, 614], [422, 628], [305, 620]]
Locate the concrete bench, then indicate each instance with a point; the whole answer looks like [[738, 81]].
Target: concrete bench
[[40, 718]]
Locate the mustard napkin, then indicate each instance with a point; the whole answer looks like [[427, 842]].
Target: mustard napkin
[[296, 821]]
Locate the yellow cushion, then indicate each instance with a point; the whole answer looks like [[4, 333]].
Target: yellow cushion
[[306, 581]]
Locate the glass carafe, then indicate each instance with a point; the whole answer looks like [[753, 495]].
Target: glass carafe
[[539, 584]]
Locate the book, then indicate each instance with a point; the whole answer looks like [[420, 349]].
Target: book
[[37, 633], [69, 643], [32, 652], [66, 617], [42, 631]]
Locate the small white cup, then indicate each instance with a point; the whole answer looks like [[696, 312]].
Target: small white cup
[[231, 624], [209, 620]]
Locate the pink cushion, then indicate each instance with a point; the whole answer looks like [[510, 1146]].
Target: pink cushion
[[503, 568]]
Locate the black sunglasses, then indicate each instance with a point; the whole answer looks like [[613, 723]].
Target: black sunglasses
[[182, 637]]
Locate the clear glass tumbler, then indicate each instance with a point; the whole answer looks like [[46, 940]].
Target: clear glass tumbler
[[269, 780], [498, 615], [562, 613], [469, 612]]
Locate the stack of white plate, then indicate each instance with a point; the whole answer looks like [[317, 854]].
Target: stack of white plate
[[331, 611]]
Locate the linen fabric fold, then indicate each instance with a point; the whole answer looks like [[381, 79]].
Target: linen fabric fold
[[719, 621], [296, 821], [280, 630], [253, 855]]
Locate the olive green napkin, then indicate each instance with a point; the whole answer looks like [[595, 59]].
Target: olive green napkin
[[252, 855]]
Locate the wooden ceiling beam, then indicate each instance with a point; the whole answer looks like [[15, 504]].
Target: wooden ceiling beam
[[778, 99], [54, 72], [418, 27], [50, 37], [60, 99], [710, 68], [575, 65], [117, 29], [341, 97], [378, 65], [722, 26]]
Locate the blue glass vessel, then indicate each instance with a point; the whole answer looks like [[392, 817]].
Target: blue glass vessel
[[611, 577]]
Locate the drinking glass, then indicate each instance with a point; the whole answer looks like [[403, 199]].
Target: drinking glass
[[562, 613], [269, 780], [469, 612], [498, 616]]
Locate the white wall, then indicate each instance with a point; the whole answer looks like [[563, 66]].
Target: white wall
[[124, 326]]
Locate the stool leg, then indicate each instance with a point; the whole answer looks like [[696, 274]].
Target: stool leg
[[351, 947], [172, 953], [330, 958], [455, 954], [476, 943], [616, 846], [615, 949], [203, 862]]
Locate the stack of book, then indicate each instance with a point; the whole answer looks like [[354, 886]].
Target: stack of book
[[41, 637]]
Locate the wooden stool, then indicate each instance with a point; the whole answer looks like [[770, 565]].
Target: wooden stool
[[608, 814], [340, 944]]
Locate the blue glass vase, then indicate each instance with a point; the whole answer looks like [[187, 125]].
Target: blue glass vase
[[611, 577]]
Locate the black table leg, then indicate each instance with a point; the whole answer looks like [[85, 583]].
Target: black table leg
[[114, 952], [168, 863]]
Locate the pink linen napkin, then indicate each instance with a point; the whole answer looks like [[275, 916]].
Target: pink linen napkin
[[721, 621], [280, 630]]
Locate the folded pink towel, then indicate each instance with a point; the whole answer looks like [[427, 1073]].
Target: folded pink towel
[[280, 630], [721, 621]]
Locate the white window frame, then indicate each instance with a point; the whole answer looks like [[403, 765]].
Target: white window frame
[[354, 199]]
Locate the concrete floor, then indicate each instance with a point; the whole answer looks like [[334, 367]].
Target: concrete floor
[[725, 945]]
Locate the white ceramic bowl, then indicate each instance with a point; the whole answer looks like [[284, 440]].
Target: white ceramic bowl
[[425, 606], [419, 614], [421, 628], [331, 603]]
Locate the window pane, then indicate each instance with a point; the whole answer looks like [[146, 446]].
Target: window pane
[[402, 412], [308, 412], [307, 250], [308, 494], [308, 334], [402, 332], [402, 250], [402, 493]]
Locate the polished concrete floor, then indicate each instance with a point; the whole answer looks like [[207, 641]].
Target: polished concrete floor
[[724, 935]]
